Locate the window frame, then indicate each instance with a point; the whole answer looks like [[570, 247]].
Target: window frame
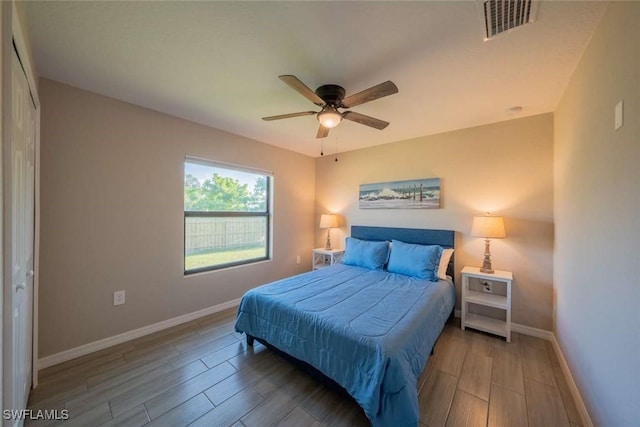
[[267, 214]]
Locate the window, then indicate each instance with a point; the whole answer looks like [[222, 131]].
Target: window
[[226, 215]]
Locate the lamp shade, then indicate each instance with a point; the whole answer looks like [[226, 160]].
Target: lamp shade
[[489, 227], [328, 221]]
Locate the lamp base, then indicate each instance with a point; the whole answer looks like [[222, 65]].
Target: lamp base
[[327, 246], [486, 263]]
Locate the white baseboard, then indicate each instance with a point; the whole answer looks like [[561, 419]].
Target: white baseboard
[[573, 388], [533, 332], [85, 349], [522, 329]]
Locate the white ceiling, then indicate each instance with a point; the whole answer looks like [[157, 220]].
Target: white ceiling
[[217, 63]]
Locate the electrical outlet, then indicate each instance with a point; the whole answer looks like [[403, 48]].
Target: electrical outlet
[[487, 286], [118, 298], [297, 259]]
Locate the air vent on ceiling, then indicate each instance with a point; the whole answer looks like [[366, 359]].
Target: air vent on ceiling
[[504, 15]]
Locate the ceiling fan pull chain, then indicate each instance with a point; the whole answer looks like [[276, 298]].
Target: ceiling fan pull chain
[[336, 149]]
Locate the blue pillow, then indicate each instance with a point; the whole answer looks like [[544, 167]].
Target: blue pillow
[[419, 261], [363, 253]]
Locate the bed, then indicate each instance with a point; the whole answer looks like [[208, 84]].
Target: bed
[[369, 328]]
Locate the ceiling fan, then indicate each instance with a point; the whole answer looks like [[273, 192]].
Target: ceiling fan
[[331, 98]]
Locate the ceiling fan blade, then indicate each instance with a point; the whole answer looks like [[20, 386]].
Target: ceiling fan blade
[[296, 84], [323, 132], [378, 91], [365, 120], [288, 116]]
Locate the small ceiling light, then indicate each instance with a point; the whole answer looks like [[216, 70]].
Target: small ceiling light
[[329, 117]]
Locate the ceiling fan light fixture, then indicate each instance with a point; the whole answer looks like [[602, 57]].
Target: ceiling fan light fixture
[[329, 117]]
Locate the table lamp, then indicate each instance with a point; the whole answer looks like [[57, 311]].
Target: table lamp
[[328, 221], [487, 227]]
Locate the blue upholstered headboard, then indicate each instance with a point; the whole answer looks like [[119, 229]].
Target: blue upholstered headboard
[[444, 238]]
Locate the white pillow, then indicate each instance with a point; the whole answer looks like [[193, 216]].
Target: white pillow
[[444, 263]]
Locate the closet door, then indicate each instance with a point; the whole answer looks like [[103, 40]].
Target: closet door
[[22, 244]]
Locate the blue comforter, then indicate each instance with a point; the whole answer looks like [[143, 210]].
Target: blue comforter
[[369, 330]]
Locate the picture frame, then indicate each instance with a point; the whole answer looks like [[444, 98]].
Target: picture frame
[[409, 194]]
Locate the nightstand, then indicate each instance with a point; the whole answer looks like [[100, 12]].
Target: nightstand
[[477, 294], [325, 257]]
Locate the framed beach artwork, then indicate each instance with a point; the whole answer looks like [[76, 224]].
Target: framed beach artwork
[[411, 194]]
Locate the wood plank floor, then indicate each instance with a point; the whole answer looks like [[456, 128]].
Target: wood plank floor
[[203, 374]]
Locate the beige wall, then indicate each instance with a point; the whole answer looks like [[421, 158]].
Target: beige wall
[[504, 168], [597, 205], [112, 197]]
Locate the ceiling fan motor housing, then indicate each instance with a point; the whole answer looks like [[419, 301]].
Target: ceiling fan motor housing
[[331, 94]]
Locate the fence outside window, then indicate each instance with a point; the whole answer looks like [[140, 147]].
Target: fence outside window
[[204, 234]]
